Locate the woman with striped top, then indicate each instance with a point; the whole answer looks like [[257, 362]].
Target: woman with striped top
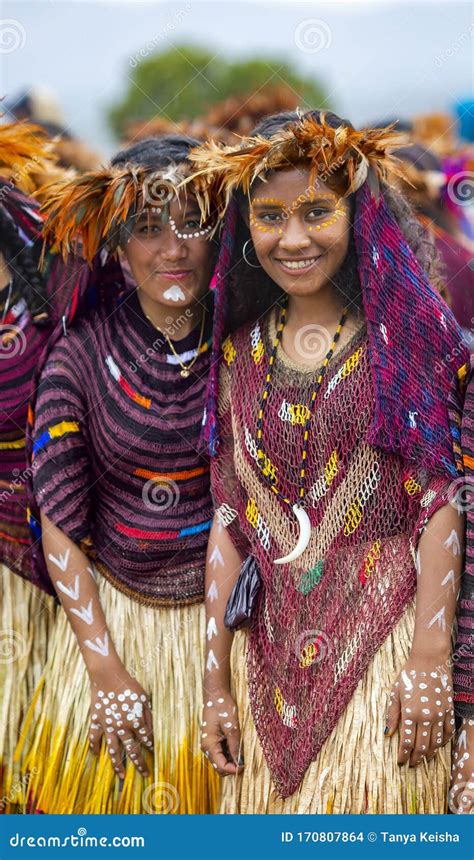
[[29, 303], [123, 495]]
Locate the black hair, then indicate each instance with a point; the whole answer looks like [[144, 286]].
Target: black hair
[[157, 152], [28, 282], [252, 292]]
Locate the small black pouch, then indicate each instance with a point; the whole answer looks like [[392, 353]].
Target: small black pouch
[[243, 599]]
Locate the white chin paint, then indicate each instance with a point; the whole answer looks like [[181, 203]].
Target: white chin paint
[[175, 294]]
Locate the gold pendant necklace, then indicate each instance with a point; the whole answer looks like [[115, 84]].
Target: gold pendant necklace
[[185, 368]]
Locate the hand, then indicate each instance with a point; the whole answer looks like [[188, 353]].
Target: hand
[[461, 793], [120, 711], [220, 737], [421, 701]]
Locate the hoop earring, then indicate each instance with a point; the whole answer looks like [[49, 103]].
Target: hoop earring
[[252, 265]]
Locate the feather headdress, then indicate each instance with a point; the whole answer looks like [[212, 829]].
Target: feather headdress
[[25, 153], [91, 210], [341, 156]]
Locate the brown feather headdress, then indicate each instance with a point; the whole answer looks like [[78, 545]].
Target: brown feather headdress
[[343, 156], [92, 209], [25, 154]]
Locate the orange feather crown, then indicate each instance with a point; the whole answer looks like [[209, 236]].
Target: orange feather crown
[[91, 210], [343, 157], [25, 154]]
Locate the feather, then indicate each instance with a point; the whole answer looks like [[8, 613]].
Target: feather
[[25, 154], [343, 156]]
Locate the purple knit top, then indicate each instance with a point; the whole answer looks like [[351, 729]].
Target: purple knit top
[[116, 452]]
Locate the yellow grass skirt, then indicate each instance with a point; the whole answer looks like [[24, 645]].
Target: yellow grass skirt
[[164, 649], [26, 620], [356, 770]]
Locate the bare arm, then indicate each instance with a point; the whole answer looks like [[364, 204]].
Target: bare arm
[[422, 697], [77, 590], [220, 736]]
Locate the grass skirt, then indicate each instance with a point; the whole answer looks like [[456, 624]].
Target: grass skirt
[[356, 770], [164, 649], [26, 621]]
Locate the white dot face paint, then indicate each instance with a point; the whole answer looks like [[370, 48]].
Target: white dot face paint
[[174, 294]]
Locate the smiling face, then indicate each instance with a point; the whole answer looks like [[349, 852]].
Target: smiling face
[[169, 262], [300, 234]]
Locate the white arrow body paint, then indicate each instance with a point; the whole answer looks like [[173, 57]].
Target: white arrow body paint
[[453, 542], [216, 557], [462, 740], [174, 293], [72, 592], [85, 613], [449, 578], [61, 562], [439, 618], [212, 592], [408, 684], [211, 628], [211, 661], [99, 645]]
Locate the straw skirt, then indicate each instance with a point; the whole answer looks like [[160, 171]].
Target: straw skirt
[[356, 770], [26, 621], [164, 649]]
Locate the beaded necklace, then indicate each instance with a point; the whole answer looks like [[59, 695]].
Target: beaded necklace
[[261, 456]]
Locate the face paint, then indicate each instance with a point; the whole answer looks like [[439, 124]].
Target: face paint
[[174, 294], [72, 592]]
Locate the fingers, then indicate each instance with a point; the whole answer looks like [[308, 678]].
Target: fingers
[[215, 754], [449, 727], [420, 746], [114, 751], [133, 750], [394, 710], [436, 738], [95, 736]]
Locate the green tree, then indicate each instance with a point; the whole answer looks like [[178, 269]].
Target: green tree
[[183, 82]]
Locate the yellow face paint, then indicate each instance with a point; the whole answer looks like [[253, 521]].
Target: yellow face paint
[[288, 210]]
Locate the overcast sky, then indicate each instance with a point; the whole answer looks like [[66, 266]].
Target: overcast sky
[[375, 59]]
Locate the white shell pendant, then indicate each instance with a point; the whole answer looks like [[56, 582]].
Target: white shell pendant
[[304, 536]]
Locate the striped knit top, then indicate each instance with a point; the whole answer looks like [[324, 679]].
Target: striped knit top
[[115, 456], [21, 344], [463, 671]]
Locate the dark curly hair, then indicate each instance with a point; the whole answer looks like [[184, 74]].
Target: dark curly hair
[[23, 260], [252, 292]]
